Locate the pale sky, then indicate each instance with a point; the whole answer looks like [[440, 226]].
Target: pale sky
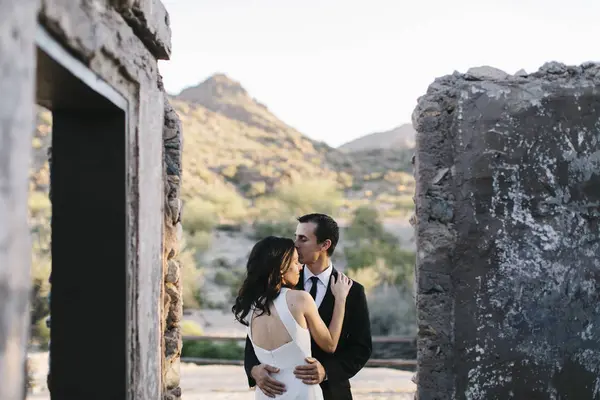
[[339, 69]]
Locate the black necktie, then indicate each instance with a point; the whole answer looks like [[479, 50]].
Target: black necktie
[[313, 289]]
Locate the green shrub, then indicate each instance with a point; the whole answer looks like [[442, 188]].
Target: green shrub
[[405, 202], [370, 246], [309, 196], [41, 333], [229, 171], [269, 208], [191, 280], [285, 228], [191, 328], [369, 277], [39, 305], [255, 189], [199, 240], [216, 350], [366, 224], [392, 311], [39, 202], [399, 262], [199, 216], [228, 203], [226, 278]]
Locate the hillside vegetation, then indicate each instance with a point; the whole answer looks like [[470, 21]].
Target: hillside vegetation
[[246, 174], [243, 163]]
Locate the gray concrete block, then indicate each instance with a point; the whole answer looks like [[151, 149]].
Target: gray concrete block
[[525, 196], [150, 21], [17, 84]]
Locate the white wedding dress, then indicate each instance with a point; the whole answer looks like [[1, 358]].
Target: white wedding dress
[[288, 356]]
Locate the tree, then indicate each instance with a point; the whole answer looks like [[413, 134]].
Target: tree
[[371, 246]]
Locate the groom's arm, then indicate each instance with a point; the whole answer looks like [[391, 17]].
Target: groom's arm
[[356, 350], [250, 361]]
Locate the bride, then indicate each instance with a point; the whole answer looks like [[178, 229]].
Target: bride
[[283, 320]]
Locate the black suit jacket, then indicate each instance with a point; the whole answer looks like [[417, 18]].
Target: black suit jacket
[[353, 350]]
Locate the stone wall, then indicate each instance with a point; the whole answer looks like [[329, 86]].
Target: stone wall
[[17, 63], [508, 235], [172, 292], [117, 43]]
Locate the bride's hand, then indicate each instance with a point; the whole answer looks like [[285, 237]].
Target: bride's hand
[[341, 287]]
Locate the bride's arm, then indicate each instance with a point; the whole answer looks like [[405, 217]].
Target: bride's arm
[[327, 339]]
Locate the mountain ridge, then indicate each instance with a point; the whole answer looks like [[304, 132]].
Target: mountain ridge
[[400, 137], [233, 138], [237, 155]]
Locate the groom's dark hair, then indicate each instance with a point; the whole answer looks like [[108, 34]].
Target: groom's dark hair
[[326, 228]]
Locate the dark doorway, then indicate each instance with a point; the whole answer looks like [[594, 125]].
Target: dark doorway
[[88, 347]]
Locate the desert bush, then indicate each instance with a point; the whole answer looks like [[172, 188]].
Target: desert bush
[[306, 196], [191, 279], [229, 171], [369, 277], [229, 204], [345, 180], [284, 228], [371, 246], [392, 311], [366, 224], [276, 213], [254, 189], [41, 333], [225, 277], [215, 350], [199, 241], [199, 216], [231, 279], [39, 305], [395, 264], [38, 202], [405, 202], [269, 208], [191, 328]]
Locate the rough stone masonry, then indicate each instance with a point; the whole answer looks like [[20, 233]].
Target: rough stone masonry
[[508, 235], [118, 43]]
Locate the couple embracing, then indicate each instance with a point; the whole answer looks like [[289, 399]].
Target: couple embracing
[[308, 324]]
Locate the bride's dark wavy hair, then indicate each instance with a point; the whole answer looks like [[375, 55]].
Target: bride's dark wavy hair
[[269, 259]]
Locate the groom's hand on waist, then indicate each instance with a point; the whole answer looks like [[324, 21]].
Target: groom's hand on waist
[[312, 373], [269, 386]]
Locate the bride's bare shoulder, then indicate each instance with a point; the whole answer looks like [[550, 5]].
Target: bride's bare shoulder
[[298, 296]]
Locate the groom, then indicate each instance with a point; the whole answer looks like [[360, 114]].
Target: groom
[[316, 238]]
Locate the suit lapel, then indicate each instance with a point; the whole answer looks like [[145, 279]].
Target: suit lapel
[[326, 308], [300, 285]]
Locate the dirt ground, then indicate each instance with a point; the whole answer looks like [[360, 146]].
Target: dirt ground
[[229, 382]]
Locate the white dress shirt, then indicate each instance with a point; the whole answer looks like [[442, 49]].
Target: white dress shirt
[[322, 283]]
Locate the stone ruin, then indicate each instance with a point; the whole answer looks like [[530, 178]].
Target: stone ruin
[[508, 235], [507, 215], [115, 181]]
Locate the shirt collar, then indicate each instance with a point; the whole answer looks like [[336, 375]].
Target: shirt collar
[[323, 276]]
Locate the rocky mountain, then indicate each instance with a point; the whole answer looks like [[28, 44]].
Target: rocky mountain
[[235, 143], [401, 137], [237, 152], [242, 143], [242, 166]]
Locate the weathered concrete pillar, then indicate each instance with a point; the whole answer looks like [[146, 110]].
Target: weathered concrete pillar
[[96, 65], [508, 235], [172, 292], [17, 116]]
